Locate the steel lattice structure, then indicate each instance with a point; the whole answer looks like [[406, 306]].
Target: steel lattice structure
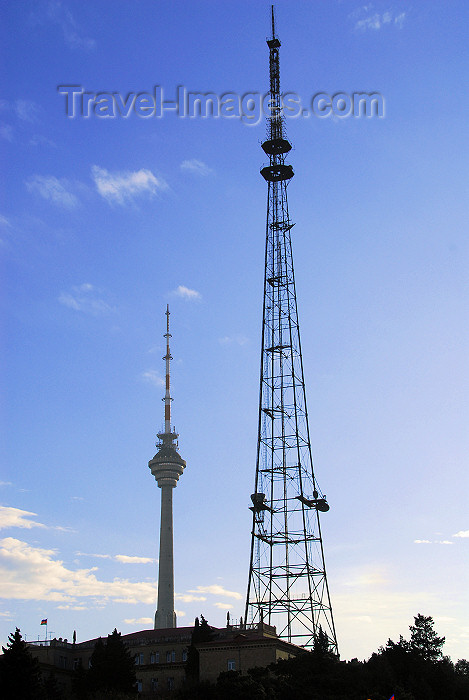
[[287, 577]]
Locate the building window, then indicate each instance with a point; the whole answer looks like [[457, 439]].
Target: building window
[[138, 659], [184, 655], [154, 684], [170, 683], [155, 657], [170, 657], [139, 686], [231, 665]]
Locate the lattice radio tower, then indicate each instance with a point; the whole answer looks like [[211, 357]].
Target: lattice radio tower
[[287, 576]]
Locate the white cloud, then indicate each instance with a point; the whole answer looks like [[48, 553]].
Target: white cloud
[[55, 190], [371, 22], [32, 573], [85, 297], [139, 621], [196, 167], [155, 348], [6, 132], [59, 14], [122, 558], [153, 377], [399, 19], [24, 110], [41, 140], [27, 110], [5, 483], [14, 517], [216, 589], [433, 542], [237, 339], [125, 559], [222, 606], [186, 293], [122, 187], [377, 20], [373, 576], [462, 533], [188, 598]]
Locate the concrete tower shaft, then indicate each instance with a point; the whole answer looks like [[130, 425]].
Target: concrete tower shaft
[[166, 466]]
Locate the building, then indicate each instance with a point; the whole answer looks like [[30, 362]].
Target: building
[[243, 649], [160, 655]]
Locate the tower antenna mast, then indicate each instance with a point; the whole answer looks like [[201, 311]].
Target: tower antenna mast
[[287, 576], [167, 397], [166, 466]]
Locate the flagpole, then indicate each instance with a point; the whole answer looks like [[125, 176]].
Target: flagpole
[[44, 622]]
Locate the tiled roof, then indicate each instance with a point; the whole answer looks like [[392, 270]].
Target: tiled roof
[[226, 635], [159, 635], [172, 634]]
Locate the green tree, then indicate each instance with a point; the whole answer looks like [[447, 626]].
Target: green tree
[[80, 682], [52, 689], [192, 663], [462, 667], [96, 676], [201, 633], [412, 670], [120, 666], [424, 640], [231, 685], [112, 668], [322, 649], [20, 676]]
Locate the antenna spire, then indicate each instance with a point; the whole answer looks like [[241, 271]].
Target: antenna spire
[[273, 23], [167, 397]]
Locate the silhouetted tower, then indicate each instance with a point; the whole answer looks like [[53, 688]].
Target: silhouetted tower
[[287, 577], [166, 466]]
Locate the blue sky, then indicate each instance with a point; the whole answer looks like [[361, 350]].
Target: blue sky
[[105, 221]]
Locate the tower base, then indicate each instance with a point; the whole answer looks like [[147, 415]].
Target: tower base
[[164, 621]]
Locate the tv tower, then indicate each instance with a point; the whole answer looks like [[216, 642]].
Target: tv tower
[[166, 466], [287, 576]]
